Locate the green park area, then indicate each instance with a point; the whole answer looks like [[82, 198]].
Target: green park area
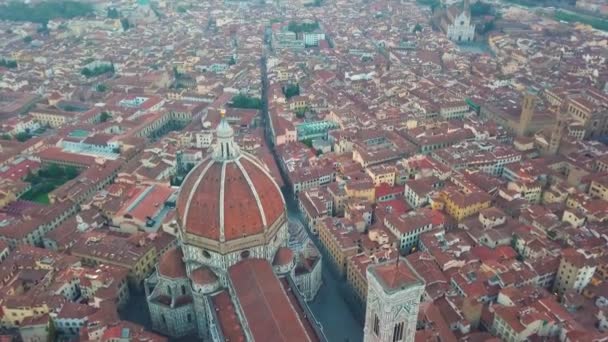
[[246, 102], [98, 70], [46, 180], [42, 12], [302, 27], [596, 23]]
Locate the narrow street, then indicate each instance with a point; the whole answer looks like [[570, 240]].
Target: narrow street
[[339, 322], [329, 306]]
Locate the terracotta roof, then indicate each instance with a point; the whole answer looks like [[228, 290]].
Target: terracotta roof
[[203, 276], [252, 201], [228, 320], [265, 305], [396, 275], [75, 311], [171, 264], [283, 257]]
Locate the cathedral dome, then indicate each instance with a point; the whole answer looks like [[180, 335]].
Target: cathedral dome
[[229, 199]]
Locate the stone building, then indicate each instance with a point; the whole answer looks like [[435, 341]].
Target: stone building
[[393, 299], [456, 23], [232, 277]]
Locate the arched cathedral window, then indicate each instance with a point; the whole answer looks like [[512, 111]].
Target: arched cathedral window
[[398, 332], [376, 325]]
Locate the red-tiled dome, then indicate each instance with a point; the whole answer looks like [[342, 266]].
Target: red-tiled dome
[[203, 276], [283, 257], [229, 199], [171, 264]]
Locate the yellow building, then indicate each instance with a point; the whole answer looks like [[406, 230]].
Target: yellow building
[[339, 238], [282, 74], [602, 163], [356, 275], [10, 190], [531, 192], [382, 174], [298, 103], [599, 188], [133, 253], [460, 205], [17, 308], [361, 190], [52, 117]]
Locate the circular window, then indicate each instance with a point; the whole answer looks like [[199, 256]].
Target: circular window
[[206, 254], [245, 254]]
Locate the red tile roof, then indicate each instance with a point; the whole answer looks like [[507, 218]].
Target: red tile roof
[[283, 256], [228, 320], [244, 183], [265, 305], [203, 276], [396, 275], [171, 264], [55, 154]]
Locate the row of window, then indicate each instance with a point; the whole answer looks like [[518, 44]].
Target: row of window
[[398, 329]]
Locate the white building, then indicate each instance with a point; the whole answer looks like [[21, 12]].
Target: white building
[[313, 38], [457, 23], [576, 268]]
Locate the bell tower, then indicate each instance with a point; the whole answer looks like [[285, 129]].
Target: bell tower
[[557, 133], [527, 113], [393, 299]]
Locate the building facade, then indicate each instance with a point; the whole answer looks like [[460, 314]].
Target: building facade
[[232, 275], [393, 300]]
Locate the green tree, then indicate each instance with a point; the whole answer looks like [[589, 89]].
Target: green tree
[[101, 88], [307, 142], [98, 70], [70, 172], [27, 39], [181, 9], [6, 136], [125, 24], [291, 90], [479, 9], [7, 63], [42, 12], [176, 72], [487, 27], [43, 29], [302, 27], [104, 116], [22, 136], [246, 102], [52, 331], [300, 113], [417, 28], [113, 13], [596, 23], [433, 4]]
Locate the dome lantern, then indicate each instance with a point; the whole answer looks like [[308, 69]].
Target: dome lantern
[[225, 148]]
